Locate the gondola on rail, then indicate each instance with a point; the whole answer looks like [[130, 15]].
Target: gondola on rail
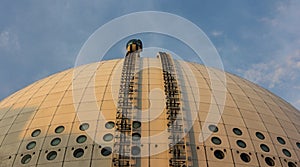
[[134, 45]]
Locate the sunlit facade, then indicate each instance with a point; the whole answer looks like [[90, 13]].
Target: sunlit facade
[[76, 118]]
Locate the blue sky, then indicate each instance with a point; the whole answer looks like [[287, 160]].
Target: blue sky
[[257, 40]]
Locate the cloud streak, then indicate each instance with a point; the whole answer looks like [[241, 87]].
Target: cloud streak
[[281, 70], [216, 33], [9, 40], [274, 73]]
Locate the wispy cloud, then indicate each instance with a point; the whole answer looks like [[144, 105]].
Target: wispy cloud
[[281, 71], [216, 33], [9, 40], [288, 17], [275, 73]]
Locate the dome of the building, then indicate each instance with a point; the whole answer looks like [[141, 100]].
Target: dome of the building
[[147, 112]]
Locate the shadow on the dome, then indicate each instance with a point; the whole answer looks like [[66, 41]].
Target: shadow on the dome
[[15, 132]]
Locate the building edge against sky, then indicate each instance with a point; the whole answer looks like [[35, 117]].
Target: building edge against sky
[[147, 112]]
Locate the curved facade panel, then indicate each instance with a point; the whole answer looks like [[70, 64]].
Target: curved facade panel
[[162, 112]]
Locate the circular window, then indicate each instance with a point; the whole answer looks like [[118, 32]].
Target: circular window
[[216, 140], [55, 141], [298, 144], [213, 128], [108, 137], [135, 150], [241, 143], [59, 129], [109, 125], [81, 139], [280, 140], [136, 124], [245, 157], [36, 132], [31, 145], [219, 154], [84, 126], [26, 159], [78, 153], [136, 136], [264, 147], [286, 152], [51, 155], [291, 164], [237, 131], [106, 151], [269, 161], [260, 135]]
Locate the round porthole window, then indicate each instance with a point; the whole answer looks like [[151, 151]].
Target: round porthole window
[[51, 155], [298, 144], [30, 145], [216, 140], [213, 128], [106, 151], [59, 129], [81, 139], [281, 140], [136, 124], [291, 164], [219, 154], [241, 143], [35, 133], [55, 141], [245, 157], [78, 153], [269, 161], [286, 152], [260, 136], [136, 136], [237, 131], [84, 126], [135, 150], [109, 125], [26, 159], [264, 147], [108, 137]]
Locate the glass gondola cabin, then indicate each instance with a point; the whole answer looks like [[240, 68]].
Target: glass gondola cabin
[[134, 45]]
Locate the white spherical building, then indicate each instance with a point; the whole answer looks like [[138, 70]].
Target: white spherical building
[[147, 112]]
